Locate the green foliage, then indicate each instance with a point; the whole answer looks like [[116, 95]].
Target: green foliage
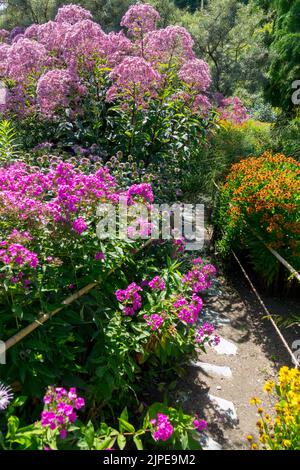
[[25, 12], [227, 145], [121, 436], [231, 37], [285, 65], [286, 135], [8, 142]]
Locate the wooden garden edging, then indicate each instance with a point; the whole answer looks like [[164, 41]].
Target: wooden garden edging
[[44, 317]]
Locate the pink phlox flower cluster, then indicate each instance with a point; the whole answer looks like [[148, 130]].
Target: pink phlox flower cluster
[[135, 80], [154, 321], [172, 44], [130, 298], [199, 278], [188, 311], [79, 225], [60, 409], [205, 334], [201, 104], [199, 424], [163, 428], [157, 283], [140, 19], [72, 14], [56, 89], [197, 261], [100, 256], [140, 192], [50, 34], [179, 244], [196, 280], [142, 229], [117, 46], [17, 254], [56, 195]]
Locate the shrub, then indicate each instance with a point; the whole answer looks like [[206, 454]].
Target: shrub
[[261, 197], [226, 145], [280, 430], [60, 429], [141, 91]]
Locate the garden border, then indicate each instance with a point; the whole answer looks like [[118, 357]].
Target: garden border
[[69, 300]]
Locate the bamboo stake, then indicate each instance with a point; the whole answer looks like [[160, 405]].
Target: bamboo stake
[[69, 300]]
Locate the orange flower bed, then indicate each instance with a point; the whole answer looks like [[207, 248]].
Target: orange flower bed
[[263, 195]]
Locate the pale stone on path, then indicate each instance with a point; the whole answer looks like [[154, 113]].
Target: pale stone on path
[[226, 347], [223, 371], [225, 407], [208, 443]]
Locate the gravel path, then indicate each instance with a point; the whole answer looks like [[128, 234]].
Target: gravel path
[[250, 353]]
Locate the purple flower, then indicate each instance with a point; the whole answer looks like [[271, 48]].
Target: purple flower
[[154, 321], [196, 73], [79, 403], [5, 396], [134, 80], [157, 283], [99, 256], [72, 14], [130, 298], [163, 428], [63, 433], [199, 424], [79, 225], [47, 399]]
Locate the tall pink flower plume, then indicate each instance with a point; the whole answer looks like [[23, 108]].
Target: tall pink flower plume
[[140, 19], [24, 58], [85, 41], [233, 110], [72, 14], [55, 90], [196, 73], [134, 79], [171, 43]]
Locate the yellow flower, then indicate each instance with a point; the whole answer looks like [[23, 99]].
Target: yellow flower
[[259, 423], [249, 438], [254, 446], [269, 386], [263, 438], [255, 401], [286, 443], [260, 410], [267, 417], [277, 420]]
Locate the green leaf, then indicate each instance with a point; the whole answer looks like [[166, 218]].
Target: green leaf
[[123, 416], [89, 434], [184, 439], [138, 443], [13, 424], [121, 439], [19, 401], [126, 426]]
